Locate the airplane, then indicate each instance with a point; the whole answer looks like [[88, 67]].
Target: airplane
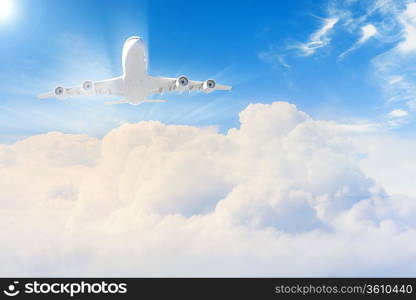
[[135, 84]]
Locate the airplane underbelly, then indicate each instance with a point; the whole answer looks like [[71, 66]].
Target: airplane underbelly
[[134, 89]]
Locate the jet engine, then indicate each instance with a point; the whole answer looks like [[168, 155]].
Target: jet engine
[[208, 86], [60, 92], [88, 86], [182, 82]]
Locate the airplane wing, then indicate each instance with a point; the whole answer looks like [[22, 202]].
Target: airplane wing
[[165, 85], [113, 86]]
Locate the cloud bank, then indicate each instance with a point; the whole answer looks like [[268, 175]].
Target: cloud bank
[[283, 195]]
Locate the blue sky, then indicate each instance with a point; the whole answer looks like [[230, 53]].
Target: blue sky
[[268, 50], [176, 200]]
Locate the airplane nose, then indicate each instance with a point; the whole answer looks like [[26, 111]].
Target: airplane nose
[[140, 41], [134, 39]]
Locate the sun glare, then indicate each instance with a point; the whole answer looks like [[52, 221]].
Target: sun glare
[[6, 9]]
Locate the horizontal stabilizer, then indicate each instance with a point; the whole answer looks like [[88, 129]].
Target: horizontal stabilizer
[[223, 87], [46, 95], [138, 103], [154, 100], [117, 102]]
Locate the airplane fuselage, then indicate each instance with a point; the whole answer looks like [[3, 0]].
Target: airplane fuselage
[[134, 60]]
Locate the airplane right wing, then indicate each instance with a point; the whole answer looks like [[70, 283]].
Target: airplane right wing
[[113, 86], [165, 85]]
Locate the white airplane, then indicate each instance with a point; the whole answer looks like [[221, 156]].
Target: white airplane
[[135, 84]]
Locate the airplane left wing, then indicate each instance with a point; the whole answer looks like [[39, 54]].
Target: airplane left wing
[[163, 85], [113, 86]]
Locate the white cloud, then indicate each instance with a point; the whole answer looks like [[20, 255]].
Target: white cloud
[[398, 113], [394, 72], [393, 68], [397, 117], [283, 195], [367, 32], [408, 20], [390, 162], [319, 38]]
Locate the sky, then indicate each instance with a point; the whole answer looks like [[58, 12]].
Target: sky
[[306, 168], [328, 57]]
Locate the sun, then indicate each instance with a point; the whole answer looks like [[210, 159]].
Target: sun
[[6, 9]]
